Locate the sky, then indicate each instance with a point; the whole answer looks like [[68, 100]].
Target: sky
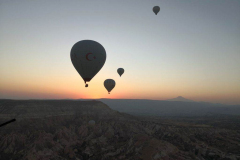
[[190, 49]]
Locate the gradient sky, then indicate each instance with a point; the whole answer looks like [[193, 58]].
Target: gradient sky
[[190, 49]]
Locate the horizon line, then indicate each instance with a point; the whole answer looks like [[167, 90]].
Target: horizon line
[[113, 99]]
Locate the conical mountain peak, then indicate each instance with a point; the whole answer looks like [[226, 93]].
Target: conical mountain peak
[[180, 98]]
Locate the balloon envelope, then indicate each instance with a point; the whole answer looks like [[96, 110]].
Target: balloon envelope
[[88, 57], [109, 84], [120, 71], [156, 9]]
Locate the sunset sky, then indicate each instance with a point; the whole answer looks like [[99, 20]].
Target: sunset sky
[[190, 49]]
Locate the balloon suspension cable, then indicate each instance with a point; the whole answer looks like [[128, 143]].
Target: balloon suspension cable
[[12, 120]]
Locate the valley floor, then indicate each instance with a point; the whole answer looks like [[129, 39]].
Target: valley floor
[[61, 130]]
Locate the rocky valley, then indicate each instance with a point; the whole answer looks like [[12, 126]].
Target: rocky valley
[[60, 129]]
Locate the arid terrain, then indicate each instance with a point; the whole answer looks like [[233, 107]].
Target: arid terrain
[[60, 129]]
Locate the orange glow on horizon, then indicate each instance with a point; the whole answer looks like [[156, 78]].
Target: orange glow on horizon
[[51, 87]]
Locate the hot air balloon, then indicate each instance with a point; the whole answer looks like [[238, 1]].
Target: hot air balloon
[[120, 71], [156, 9], [109, 84], [88, 57]]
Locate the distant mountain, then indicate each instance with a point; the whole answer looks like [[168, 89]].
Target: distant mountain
[[180, 98], [170, 108]]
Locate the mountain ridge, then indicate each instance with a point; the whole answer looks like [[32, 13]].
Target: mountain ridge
[[170, 108], [180, 98]]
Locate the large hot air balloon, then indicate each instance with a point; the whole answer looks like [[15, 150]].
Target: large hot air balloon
[[156, 9], [120, 71], [109, 84], [88, 57]]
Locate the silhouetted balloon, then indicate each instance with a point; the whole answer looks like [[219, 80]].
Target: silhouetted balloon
[[120, 71], [156, 9], [109, 84], [88, 57]]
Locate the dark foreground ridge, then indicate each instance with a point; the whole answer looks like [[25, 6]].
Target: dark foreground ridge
[[60, 130]]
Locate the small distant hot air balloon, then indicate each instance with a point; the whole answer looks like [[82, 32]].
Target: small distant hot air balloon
[[88, 57], [156, 9], [120, 71], [109, 84]]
